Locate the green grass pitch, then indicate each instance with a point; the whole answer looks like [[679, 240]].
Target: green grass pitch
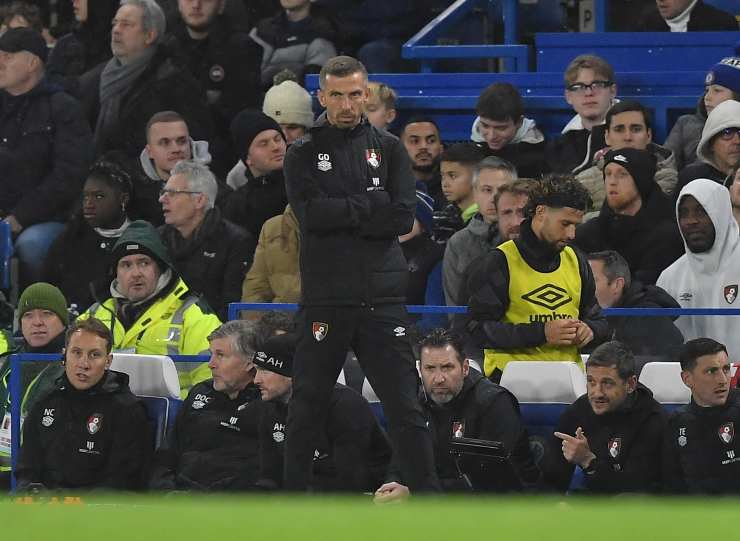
[[211, 518]]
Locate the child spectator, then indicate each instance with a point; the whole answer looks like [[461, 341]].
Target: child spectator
[[380, 108]]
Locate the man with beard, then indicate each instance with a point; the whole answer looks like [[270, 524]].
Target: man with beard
[[708, 274], [258, 176], [614, 432], [422, 140], [636, 219], [461, 403], [533, 298]]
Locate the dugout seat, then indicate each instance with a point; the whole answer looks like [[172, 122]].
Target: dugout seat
[[153, 378], [544, 389], [664, 380]]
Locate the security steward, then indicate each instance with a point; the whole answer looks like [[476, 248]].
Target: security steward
[[460, 403], [613, 433], [151, 310], [213, 444], [353, 193], [352, 453], [534, 298], [90, 432], [701, 446]]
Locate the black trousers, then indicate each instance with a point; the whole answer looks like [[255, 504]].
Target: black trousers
[[378, 337]]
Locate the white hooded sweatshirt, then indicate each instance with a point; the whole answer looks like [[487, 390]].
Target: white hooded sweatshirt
[[710, 279]]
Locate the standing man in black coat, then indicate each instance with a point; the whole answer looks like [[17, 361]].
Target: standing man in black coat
[[614, 433], [210, 253], [352, 191], [44, 149], [121, 95]]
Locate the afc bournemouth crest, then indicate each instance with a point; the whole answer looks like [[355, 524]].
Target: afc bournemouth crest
[[615, 446], [731, 293], [373, 157], [458, 429], [319, 330], [726, 432], [94, 422]]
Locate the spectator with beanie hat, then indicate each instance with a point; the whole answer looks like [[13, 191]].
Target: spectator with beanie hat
[[289, 104], [636, 216], [721, 84], [258, 176], [151, 309], [43, 316], [353, 453]]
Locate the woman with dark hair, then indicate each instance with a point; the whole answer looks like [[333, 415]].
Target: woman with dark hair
[[77, 262], [86, 46]]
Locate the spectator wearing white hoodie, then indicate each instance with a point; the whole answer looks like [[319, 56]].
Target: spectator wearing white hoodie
[[708, 274]]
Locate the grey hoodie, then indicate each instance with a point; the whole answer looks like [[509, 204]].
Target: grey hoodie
[[725, 115], [198, 151]]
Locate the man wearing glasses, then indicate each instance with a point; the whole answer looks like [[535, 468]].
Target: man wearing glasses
[[590, 89], [719, 146], [211, 253]]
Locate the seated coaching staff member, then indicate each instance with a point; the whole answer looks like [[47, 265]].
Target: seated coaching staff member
[[91, 432]]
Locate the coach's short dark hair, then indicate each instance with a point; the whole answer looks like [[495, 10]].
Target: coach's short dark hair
[[693, 349], [500, 102], [441, 338], [625, 107], [614, 354], [341, 66], [422, 119]]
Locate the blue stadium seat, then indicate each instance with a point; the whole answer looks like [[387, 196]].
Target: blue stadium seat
[[153, 378]]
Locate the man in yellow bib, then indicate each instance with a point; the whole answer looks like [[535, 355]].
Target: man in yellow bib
[[534, 298]]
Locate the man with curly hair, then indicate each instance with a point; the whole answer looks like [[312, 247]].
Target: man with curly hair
[[534, 297]]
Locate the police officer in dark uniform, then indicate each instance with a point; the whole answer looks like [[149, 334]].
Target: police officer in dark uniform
[[613, 433], [352, 190], [90, 432], [226, 62], [701, 447], [352, 453], [213, 445]]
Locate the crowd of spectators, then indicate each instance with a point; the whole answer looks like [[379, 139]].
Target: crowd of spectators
[[144, 184]]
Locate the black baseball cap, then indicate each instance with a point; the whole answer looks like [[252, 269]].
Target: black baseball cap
[[24, 39]]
